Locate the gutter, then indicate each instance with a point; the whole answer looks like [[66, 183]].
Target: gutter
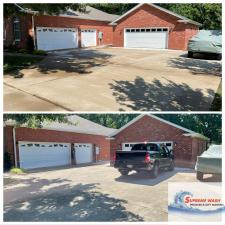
[[14, 147]]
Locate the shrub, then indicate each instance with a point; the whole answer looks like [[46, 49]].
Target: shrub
[[30, 44], [7, 161], [39, 52], [17, 170], [22, 50]]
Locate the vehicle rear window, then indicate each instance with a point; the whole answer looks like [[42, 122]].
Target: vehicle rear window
[[141, 147], [144, 147]]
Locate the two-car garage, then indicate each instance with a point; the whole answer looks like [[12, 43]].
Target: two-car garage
[[48, 154], [54, 38], [155, 38]]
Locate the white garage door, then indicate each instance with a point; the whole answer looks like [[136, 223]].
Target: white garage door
[[51, 38], [44, 154], [88, 38], [155, 38], [83, 153], [128, 146]]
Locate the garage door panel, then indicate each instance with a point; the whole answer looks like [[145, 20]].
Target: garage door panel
[[56, 38], [142, 39], [40, 154], [88, 38], [83, 153]]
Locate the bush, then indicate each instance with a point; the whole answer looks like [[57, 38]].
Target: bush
[[30, 44], [22, 50], [7, 161], [17, 170], [39, 52]]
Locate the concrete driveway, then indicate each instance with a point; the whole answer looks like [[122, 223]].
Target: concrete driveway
[[112, 79], [93, 193]]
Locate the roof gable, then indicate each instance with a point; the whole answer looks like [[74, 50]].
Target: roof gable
[[181, 18], [186, 131]]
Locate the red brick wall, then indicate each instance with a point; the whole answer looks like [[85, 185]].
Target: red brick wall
[[150, 129], [147, 16], [8, 142], [43, 135], [55, 21], [189, 33], [25, 27]]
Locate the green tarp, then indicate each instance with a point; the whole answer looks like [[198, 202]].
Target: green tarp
[[208, 41]]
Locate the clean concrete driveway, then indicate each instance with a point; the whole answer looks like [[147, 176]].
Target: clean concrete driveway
[[112, 79], [93, 193]]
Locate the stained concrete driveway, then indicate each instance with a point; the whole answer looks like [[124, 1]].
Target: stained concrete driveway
[[93, 193], [109, 79]]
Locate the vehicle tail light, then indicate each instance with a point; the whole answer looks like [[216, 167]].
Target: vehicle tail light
[[147, 158]]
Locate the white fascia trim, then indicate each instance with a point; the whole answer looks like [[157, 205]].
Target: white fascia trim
[[155, 117], [197, 135], [127, 125], [157, 7], [127, 13]]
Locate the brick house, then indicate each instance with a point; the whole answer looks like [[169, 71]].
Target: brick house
[[57, 144], [144, 26], [86, 142], [186, 144]]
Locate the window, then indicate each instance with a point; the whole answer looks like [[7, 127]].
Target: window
[[142, 30], [126, 145], [153, 30], [159, 29], [16, 29], [165, 29], [132, 30], [137, 30], [168, 144], [127, 30], [148, 30]]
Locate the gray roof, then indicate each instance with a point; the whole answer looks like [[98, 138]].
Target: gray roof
[[79, 125], [90, 14]]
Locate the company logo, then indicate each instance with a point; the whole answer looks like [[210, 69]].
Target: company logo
[[185, 201]]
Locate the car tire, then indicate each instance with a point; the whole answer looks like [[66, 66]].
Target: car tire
[[199, 175], [190, 54], [219, 56], [171, 167], [155, 170], [124, 172]]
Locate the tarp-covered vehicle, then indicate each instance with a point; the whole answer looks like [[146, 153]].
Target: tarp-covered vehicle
[[209, 162], [206, 42]]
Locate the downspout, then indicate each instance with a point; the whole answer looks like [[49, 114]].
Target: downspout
[[33, 30], [14, 147]]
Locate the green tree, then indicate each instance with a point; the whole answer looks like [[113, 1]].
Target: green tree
[[208, 14], [11, 9], [34, 120]]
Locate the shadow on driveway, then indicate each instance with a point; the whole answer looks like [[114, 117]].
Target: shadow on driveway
[[196, 66], [77, 203], [74, 61], [143, 96], [144, 178]]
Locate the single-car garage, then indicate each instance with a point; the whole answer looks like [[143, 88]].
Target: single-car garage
[[88, 38], [83, 153], [44, 154], [52, 38], [155, 38]]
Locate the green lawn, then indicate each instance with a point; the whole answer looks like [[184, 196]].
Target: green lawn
[[217, 102], [16, 62]]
